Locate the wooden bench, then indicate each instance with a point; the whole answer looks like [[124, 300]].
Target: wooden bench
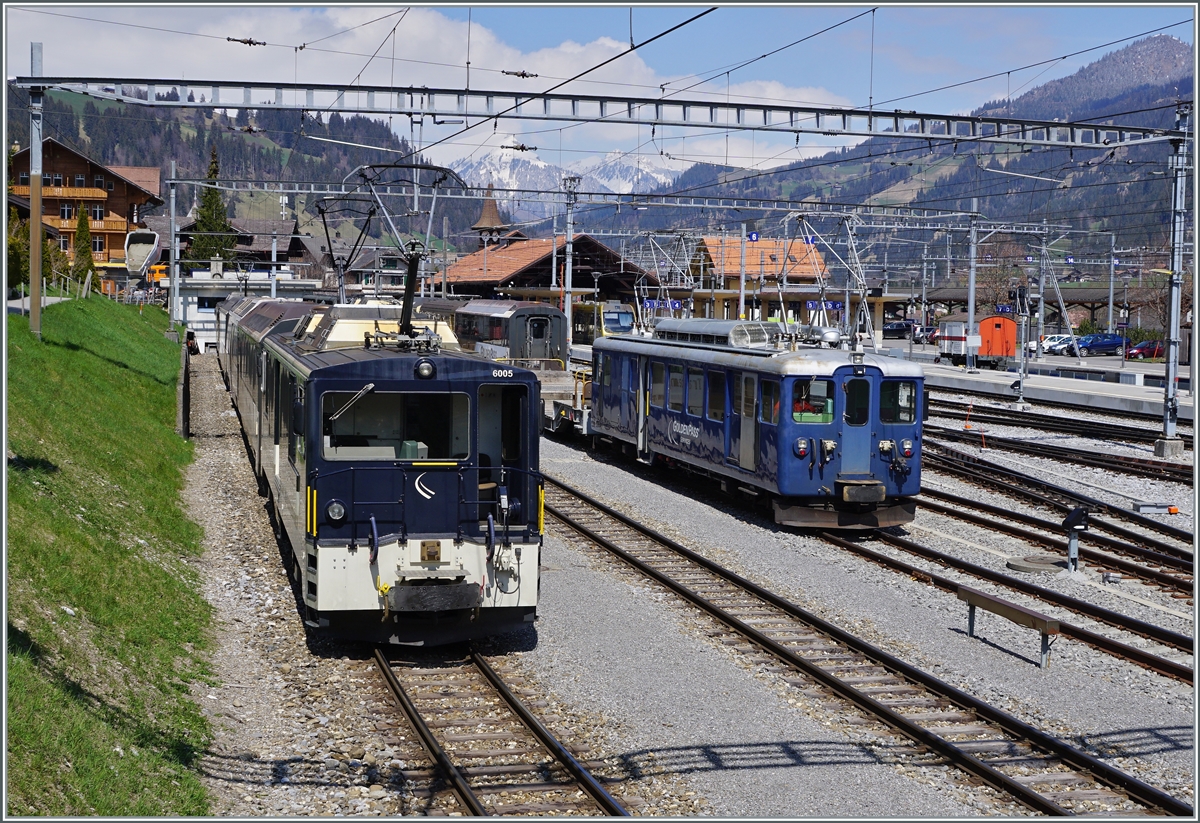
[[1017, 614]]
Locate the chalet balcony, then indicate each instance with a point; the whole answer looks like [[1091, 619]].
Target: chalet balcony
[[94, 226], [64, 192]]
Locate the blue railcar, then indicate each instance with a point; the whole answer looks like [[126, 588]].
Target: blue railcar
[[830, 437], [404, 476]]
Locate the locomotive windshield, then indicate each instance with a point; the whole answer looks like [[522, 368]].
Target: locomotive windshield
[[897, 401], [395, 426], [812, 401], [618, 322]]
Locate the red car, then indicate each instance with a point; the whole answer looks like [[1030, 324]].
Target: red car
[[1147, 348]]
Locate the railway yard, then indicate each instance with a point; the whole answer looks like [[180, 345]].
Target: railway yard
[[746, 669]]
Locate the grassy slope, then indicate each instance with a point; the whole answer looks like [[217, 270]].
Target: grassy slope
[[99, 720]]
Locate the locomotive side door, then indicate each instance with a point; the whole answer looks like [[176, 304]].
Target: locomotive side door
[[643, 405], [749, 439], [856, 429]]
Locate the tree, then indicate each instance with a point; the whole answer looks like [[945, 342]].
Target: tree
[[212, 227], [83, 247], [54, 261]]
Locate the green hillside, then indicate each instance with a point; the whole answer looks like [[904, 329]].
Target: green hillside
[[106, 624]]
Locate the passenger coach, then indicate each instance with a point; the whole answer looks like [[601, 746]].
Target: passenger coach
[[830, 437], [405, 476]]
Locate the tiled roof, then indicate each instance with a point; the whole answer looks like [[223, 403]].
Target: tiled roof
[[496, 264], [148, 177], [797, 259]]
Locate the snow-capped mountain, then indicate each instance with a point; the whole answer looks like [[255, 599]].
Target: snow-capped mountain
[[624, 172], [508, 168]]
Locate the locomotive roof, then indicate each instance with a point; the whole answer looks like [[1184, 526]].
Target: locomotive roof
[[507, 308], [742, 334], [803, 361]]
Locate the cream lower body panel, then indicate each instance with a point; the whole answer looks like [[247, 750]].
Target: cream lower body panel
[[346, 580]]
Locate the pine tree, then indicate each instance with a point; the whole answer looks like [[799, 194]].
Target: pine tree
[[83, 262], [207, 243]]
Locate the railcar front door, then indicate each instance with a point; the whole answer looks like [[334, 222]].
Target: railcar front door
[[537, 340], [856, 428]]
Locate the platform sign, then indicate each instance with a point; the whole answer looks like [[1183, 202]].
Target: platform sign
[[752, 236], [1122, 325], [1029, 258], [674, 305], [974, 341], [1070, 258], [810, 239], [831, 305], [1004, 308]]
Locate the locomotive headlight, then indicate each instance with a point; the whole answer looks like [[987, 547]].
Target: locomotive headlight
[[335, 512], [425, 369], [906, 447], [801, 447]]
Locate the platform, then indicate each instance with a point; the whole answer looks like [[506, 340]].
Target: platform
[[1101, 383]]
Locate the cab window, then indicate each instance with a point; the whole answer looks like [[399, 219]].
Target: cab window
[[858, 402], [812, 401], [898, 401]]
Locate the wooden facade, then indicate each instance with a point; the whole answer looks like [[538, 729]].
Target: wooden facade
[[113, 202]]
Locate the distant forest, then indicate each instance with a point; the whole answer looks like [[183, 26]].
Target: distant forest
[[261, 145]]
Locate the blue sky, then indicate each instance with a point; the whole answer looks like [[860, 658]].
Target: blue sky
[[892, 58]]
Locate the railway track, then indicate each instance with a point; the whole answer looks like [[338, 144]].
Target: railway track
[[1017, 484], [1013, 757], [488, 748], [1124, 464], [1083, 428], [1171, 572]]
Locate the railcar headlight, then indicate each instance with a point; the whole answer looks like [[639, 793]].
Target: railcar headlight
[[801, 447], [906, 446], [426, 369], [335, 512]]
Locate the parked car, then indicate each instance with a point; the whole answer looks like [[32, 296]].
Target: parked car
[[925, 334], [1147, 348], [1048, 341], [1098, 344], [900, 330]]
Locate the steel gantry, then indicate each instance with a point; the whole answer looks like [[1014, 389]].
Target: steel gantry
[[665, 111]]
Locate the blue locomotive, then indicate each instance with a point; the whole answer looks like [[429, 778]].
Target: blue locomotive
[[404, 475], [830, 437]]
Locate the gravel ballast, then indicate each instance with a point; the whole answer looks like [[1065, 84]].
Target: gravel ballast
[[1140, 721]]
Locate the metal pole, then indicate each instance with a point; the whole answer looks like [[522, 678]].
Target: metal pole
[[1170, 444], [445, 252], [1039, 354], [554, 253], [971, 330], [173, 283], [1112, 275], [570, 183], [274, 259], [35, 195], [742, 278]]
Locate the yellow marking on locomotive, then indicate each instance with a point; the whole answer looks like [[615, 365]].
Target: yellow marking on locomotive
[[312, 511], [541, 509], [447, 463]]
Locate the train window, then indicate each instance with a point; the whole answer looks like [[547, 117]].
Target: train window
[[394, 425], [812, 401], [695, 392], [658, 384], [770, 402], [675, 389], [858, 402], [716, 395], [605, 370], [897, 401], [735, 404]]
